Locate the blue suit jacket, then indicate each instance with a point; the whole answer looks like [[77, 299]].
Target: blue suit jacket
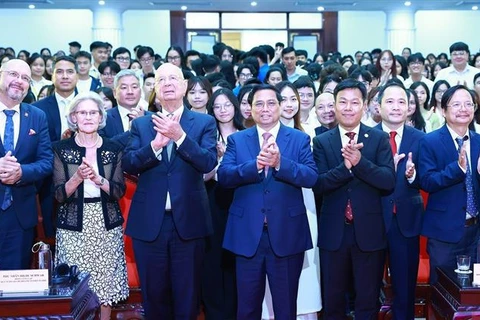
[[33, 152], [278, 196], [182, 176], [372, 178], [406, 197], [49, 105], [443, 179]]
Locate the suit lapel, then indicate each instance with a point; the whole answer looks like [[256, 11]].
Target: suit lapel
[[282, 140], [55, 116], [335, 143], [406, 141], [186, 121], [253, 142], [25, 125], [448, 145], [117, 120]]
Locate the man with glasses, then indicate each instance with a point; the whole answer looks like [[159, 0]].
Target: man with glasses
[[25, 159], [169, 217], [267, 227], [108, 70], [146, 57], [122, 56], [244, 72], [459, 72], [416, 66], [448, 167]]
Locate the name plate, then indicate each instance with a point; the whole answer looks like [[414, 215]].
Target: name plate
[[476, 274], [16, 281]]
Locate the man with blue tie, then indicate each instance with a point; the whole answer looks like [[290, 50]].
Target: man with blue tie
[[449, 166], [355, 166], [267, 227], [25, 158], [170, 216], [403, 209]]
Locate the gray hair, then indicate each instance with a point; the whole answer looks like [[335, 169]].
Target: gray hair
[[124, 73], [79, 98]]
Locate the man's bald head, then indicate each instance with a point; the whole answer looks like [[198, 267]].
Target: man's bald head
[[324, 109], [15, 78], [170, 86]]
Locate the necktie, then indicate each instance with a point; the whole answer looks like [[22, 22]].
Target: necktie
[[170, 143], [8, 146], [348, 208], [266, 136], [472, 208], [393, 143]]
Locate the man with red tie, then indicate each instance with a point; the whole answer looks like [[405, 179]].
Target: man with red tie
[[355, 166], [403, 209]]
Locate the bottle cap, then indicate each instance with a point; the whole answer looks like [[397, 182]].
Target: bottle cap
[[40, 246]]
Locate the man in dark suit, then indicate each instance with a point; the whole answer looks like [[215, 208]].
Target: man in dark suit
[[325, 111], [55, 106], [403, 209], [355, 166], [127, 92], [25, 158], [267, 226], [448, 167], [169, 216]]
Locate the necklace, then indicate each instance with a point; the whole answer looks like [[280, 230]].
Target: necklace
[[81, 144]]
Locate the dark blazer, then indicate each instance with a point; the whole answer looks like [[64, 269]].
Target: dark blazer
[[442, 178], [406, 197], [320, 130], [95, 84], [49, 105], [114, 127], [372, 178], [33, 152], [278, 196], [182, 176]]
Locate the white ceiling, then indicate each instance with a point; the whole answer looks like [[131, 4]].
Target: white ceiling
[[244, 5]]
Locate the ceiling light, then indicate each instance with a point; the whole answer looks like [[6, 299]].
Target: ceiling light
[[475, 8], [253, 3], [183, 8], [320, 8], [407, 3], [31, 6], [101, 2]]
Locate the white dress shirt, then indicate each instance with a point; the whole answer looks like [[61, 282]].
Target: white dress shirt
[[63, 108]]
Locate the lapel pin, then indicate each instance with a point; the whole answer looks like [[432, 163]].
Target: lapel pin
[[366, 135], [26, 114]]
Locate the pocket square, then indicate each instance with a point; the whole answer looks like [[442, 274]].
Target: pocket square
[[31, 132]]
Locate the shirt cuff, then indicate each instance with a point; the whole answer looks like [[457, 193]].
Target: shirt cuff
[[158, 153], [180, 141]]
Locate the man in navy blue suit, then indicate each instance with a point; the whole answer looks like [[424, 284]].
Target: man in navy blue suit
[[403, 209], [65, 77], [325, 111], [355, 166], [127, 91], [267, 226], [25, 158], [448, 166], [169, 216]]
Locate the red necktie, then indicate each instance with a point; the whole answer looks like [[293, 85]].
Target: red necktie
[[393, 143], [348, 208], [266, 136]]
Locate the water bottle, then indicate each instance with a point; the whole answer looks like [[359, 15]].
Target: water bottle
[[44, 258]]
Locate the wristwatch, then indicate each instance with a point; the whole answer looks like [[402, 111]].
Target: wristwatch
[[102, 182]]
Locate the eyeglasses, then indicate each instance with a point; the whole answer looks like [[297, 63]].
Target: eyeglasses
[[146, 60], [271, 104], [226, 106], [246, 75], [122, 59], [175, 58], [458, 105], [84, 113], [15, 74], [415, 63]]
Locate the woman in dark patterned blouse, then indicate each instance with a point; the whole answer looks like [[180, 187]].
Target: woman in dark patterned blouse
[[88, 182]]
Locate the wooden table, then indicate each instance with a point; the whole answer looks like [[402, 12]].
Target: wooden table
[[454, 297], [71, 301]]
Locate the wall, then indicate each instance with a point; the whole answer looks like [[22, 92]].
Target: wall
[[361, 31], [35, 29]]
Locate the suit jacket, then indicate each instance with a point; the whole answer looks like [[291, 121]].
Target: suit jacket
[[277, 197], [442, 178], [320, 130], [95, 84], [365, 184], [406, 196], [33, 152], [114, 127], [182, 176], [49, 105]]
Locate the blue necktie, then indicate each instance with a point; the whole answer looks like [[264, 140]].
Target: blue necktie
[[8, 146], [471, 201]]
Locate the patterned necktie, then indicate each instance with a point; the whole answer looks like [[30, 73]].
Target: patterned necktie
[[472, 208], [170, 143], [393, 143], [266, 136], [348, 208], [8, 146]]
